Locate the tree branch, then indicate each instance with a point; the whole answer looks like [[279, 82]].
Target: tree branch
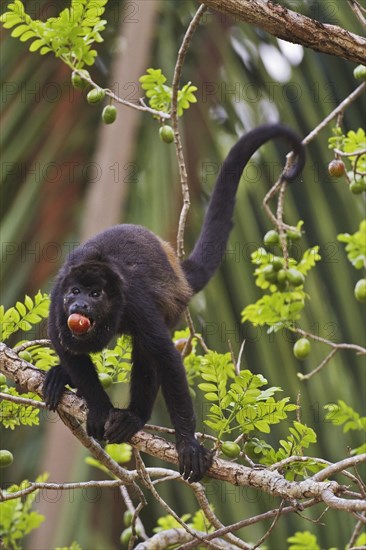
[[294, 27], [73, 408]]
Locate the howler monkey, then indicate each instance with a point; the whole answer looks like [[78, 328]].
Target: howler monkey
[[127, 280]]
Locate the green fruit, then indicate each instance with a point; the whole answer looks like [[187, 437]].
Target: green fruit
[[295, 277], [2, 379], [230, 449], [25, 355], [126, 535], [277, 263], [360, 290], [360, 72], [166, 134], [105, 379], [109, 114], [6, 458], [271, 237], [127, 518], [336, 168], [293, 234], [282, 276], [269, 274], [357, 187], [96, 95], [78, 81], [301, 348]]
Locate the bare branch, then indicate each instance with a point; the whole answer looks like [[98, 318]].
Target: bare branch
[[72, 409], [174, 116], [294, 27]]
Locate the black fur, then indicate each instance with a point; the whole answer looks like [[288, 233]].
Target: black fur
[[126, 280]]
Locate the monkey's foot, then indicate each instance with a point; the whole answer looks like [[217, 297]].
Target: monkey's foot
[[194, 459], [121, 425]]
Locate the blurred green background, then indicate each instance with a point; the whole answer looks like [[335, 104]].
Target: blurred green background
[[65, 176]]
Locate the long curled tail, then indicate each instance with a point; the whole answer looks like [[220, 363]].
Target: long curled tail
[[211, 244]]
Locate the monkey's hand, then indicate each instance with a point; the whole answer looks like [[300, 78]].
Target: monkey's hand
[[96, 419], [194, 459], [121, 425], [54, 386]]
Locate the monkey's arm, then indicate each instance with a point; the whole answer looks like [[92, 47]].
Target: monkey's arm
[[122, 424], [157, 361], [79, 371]]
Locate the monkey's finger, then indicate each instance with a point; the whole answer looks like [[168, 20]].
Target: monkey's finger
[[198, 465]]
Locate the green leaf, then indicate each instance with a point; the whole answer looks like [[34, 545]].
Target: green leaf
[[303, 541], [356, 246], [36, 45], [23, 316]]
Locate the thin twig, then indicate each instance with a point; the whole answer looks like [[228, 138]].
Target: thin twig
[[339, 466], [357, 10], [140, 107], [145, 479], [339, 109], [25, 401], [356, 531], [360, 350], [251, 521], [33, 343], [271, 527], [213, 519], [325, 361], [174, 117], [135, 518]]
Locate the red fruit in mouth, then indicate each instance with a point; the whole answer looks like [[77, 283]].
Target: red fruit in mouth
[[78, 324]]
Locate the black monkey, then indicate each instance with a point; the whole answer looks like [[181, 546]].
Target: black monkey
[[127, 280]]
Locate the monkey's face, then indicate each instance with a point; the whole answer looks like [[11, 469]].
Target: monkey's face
[[82, 306], [92, 302]]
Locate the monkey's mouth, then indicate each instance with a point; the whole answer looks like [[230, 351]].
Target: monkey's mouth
[[79, 324]]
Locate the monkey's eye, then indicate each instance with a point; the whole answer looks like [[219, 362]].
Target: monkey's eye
[[75, 291], [95, 293]]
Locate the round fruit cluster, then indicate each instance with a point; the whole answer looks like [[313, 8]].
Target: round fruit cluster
[[276, 272], [337, 169], [79, 80]]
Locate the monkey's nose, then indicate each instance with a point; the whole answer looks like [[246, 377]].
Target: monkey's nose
[[79, 307]]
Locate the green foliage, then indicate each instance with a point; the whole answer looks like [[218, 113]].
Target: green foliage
[[69, 36], [239, 405], [300, 438], [282, 307], [198, 522], [121, 453], [24, 315], [14, 414], [17, 518], [303, 540], [160, 95], [115, 361], [341, 414], [169, 522], [192, 361], [41, 357], [356, 246], [353, 142]]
